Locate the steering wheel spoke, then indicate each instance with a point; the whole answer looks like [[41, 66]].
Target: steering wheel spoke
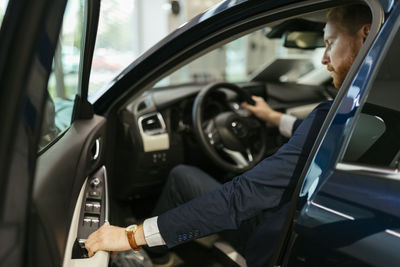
[[212, 134], [240, 160]]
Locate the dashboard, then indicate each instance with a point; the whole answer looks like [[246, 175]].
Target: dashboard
[[155, 130]]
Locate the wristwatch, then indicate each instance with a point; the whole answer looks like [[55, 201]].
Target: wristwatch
[[130, 234]]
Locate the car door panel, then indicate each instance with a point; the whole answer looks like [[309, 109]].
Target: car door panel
[[61, 173], [25, 26]]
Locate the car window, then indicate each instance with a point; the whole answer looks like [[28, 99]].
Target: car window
[[115, 43], [63, 81], [3, 7], [253, 56], [375, 140], [127, 28]]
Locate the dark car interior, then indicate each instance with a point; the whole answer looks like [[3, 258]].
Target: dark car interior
[[168, 111]]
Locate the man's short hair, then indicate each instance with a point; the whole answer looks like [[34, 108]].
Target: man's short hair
[[351, 17]]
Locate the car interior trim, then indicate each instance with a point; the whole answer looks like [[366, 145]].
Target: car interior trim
[[154, 139], [238, 158], [106, 195], [101, 258], [230, 252], [96, 149]]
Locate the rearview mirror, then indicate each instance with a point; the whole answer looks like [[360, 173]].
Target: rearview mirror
[[303, 39]]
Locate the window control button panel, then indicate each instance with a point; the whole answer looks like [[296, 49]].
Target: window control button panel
[[93, 211]]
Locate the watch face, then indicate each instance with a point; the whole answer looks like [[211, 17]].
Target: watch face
[[131, 228]]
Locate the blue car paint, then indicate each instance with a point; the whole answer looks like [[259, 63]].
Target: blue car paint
[[387, 5], [345, 212]]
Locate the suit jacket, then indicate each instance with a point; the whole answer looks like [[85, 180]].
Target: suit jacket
[[265, 187], [296, 124]]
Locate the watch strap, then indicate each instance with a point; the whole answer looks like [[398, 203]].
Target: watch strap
[[130, 233]]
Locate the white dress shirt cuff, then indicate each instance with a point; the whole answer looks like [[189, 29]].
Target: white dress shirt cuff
[[286, 125], [152, 233]]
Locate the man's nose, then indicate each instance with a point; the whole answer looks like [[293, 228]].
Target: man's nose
[[325, 58]]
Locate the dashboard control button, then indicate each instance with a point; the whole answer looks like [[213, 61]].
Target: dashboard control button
[[95, 223], [87, 221], [96, 207], [95, 182], [94, 194], [88, 207]]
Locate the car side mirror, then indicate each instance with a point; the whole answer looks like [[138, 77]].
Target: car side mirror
[[303, 39]]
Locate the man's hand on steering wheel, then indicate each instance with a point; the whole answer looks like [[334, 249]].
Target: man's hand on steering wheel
[[263, 111], [235, 142]]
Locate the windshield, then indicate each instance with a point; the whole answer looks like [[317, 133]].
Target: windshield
[[252, 57]]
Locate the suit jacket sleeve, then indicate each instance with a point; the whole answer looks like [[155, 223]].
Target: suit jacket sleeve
[[265, 186], [296, 124]]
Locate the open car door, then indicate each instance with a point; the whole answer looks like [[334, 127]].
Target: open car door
[[53, 179], [29, 30], [70, 198]]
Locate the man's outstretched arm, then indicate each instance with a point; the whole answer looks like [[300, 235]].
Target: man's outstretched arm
[[226, 207]]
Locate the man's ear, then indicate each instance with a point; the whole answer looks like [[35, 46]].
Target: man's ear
[[365, 30]]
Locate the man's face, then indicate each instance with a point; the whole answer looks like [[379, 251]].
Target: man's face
[[341, 50]]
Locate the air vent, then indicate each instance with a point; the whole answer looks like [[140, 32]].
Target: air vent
[[153, 132], [152, 124]]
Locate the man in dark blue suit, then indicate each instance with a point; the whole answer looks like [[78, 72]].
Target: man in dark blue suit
[[257, 198]]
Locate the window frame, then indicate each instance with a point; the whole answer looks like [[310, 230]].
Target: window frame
[[82, 109], [341, 164]]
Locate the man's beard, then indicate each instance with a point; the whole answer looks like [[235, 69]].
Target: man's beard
[[339, 73]]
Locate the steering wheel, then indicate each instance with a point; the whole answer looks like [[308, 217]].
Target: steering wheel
[[233, 140]]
